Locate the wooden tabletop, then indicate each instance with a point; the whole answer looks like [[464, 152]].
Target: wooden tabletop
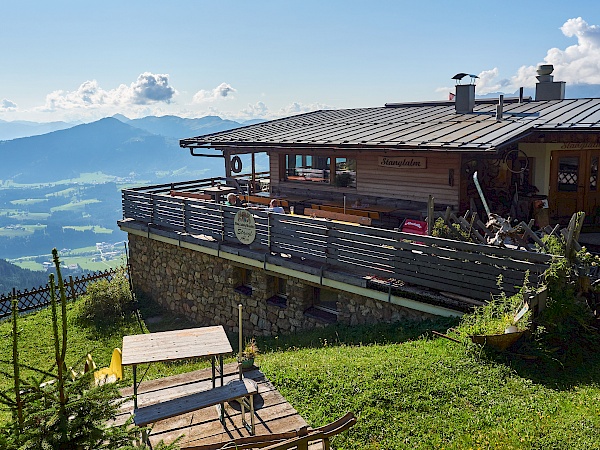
[[174, 345], [219, 189]]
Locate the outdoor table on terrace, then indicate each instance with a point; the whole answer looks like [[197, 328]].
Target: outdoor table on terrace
[[219, 192], [176, 345]]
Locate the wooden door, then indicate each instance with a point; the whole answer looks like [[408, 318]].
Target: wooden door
[[574, 183]]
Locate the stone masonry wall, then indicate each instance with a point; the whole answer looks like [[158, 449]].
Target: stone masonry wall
[[201, 287]]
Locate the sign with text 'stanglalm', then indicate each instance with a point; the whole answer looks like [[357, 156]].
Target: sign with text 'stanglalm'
[[403, 162]]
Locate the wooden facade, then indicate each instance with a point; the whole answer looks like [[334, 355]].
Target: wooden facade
[[440, 177]]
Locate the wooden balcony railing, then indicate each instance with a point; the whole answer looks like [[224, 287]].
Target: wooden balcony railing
[[461, 268]]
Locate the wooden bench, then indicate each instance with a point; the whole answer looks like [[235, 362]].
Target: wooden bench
[[263, 200], [297, 438], [337, 216], [340, 209], [237, 389], [195, 195]]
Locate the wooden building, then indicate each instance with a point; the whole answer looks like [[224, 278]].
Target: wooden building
[[201, 257], [523, 150]]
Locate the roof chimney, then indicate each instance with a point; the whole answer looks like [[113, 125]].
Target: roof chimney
[[546, 88], [464, 101], [465, 98], [500, 108]]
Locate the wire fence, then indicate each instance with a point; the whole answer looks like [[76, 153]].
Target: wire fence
[[38, 298]]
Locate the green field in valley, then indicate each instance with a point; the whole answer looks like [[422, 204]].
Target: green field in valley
[[75, 205], [20, 230], [92, 228], [28, 201]]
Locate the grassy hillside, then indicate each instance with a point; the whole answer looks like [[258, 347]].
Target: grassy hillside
[[409, 389]]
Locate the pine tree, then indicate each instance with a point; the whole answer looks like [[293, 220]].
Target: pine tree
[[55, 410]]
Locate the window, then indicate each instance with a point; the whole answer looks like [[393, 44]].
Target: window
[[568, 170], [307, 168], [324, 306], [594, 174], [345, 172], [326, 300], [279, 298], [245, 286], [281, 286], [319, 169]]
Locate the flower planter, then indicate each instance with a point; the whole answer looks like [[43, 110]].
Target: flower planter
[[247, 363]]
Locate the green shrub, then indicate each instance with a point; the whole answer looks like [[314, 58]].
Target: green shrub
[[496, 315], [454, 231], [107, 300]]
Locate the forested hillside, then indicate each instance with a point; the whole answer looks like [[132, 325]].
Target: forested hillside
[[13, 276]]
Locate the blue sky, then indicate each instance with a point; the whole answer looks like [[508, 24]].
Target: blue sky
[[83, 60]]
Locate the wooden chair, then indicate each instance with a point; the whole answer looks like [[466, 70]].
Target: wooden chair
[[280, 441]]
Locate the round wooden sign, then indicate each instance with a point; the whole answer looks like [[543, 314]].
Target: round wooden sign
[[244, 226]]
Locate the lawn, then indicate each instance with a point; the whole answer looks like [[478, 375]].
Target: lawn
[[409, 388]]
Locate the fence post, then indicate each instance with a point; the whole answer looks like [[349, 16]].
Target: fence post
[[72, 286], [430, 218]]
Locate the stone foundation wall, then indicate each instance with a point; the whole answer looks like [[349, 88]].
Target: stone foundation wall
[[202, 288]]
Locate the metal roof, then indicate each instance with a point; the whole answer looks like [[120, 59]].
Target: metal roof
[[423, 126]]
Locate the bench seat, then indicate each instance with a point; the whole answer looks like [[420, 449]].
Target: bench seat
[[337, 216], [236, 389]]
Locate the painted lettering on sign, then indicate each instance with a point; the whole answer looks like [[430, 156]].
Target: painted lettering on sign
[[244, 226], [579, 145], [403, 162]]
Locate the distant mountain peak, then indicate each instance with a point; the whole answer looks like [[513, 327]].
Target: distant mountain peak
[[121, 118]]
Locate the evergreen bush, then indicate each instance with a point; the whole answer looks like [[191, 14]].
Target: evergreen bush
[[108, 300]]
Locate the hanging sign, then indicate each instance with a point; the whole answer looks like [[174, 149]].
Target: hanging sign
[[244, 226], [403, 162]]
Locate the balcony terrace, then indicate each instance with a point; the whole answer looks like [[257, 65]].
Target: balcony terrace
[[432, 275]]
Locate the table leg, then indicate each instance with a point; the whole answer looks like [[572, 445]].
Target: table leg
[[134, 386], [221, 367], [212, 361]]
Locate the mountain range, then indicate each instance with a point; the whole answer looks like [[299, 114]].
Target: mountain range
[[23, 128], [147, 148], [62, 188]]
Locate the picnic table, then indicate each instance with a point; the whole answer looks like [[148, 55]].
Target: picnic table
[[176, 345]]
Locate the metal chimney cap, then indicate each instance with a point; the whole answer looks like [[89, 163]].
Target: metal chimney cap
[[545, 69]]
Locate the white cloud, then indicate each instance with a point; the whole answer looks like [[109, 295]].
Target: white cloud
[[257, 111], [488, 81], [300, 108], [150, 88], [7, 105], [147, 89], [223, 90], [576, 64], [260, 110]]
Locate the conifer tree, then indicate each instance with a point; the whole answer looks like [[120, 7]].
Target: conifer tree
[[51, 409]]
